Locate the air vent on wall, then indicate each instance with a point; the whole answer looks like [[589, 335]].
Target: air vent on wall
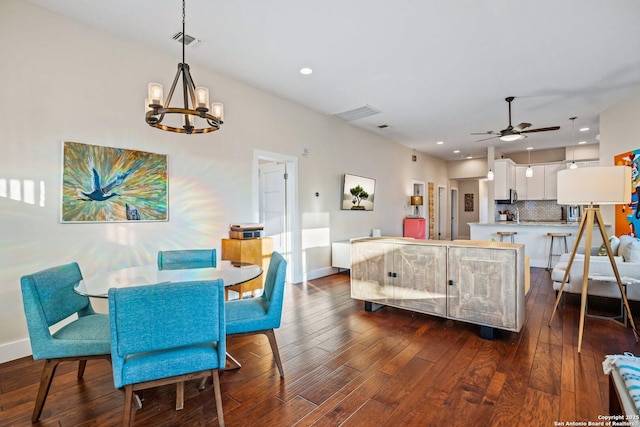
[[357, 113], [188, 40]]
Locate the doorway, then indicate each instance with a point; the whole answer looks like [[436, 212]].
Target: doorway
[[441, 220], [275, 204], [454, 213]]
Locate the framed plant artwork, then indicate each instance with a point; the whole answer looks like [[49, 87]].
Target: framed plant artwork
[[358, 193], [106, 184]]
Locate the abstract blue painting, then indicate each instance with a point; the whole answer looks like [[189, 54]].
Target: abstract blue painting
[[106, 184]]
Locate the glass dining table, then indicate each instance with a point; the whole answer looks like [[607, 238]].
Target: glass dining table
[[231, 272]]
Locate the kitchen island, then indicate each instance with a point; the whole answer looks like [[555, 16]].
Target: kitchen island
[[533, 234]]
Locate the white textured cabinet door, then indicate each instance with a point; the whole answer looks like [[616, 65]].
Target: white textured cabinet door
[[551, 180], [371, 263], [521, 182], [504, 178], [422, 276], [482, 286], [407, 276], [535, 184]]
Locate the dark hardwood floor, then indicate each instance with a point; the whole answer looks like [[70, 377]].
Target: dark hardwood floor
[[345, 366]]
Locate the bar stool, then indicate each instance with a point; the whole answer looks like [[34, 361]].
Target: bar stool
[[562, 238], [509, 234]]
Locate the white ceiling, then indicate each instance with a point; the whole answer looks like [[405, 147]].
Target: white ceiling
[[437, 70]]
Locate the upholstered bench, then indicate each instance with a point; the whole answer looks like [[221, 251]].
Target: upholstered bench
[[624, 385]]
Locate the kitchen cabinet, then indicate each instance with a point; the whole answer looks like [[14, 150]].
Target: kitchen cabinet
[[586, 163], [551, 180], [521, 182], [476, 282], [535, 184], [504, 178], [531, 188], [543, 185]]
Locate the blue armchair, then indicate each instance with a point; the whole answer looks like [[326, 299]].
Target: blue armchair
[[261, 315], [48, 298], [188, 258], [167, 333]]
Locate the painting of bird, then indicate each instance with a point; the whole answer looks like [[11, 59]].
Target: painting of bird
[[113, 184], [99, 192]]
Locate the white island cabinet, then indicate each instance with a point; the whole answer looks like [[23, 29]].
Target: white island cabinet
[[476, 282], [533, 235]]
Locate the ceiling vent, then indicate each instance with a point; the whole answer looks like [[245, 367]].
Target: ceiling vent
[[383, 126], [357, 113], [188, 40]]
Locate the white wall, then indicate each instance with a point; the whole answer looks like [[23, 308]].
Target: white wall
[[62, 80], [619, 133], [464, 218]]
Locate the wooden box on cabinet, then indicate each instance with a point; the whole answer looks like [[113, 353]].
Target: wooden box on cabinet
[[254, 251], [476, 282]]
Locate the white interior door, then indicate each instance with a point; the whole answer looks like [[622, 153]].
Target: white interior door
[[273, 203], [454, 213], [441, 221]]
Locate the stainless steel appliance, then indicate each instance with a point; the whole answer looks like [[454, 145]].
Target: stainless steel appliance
[[573, 213], [513, 198]]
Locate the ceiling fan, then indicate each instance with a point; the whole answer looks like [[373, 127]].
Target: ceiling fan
[[513, 133]]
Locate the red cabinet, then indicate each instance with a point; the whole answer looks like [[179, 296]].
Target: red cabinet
[[414, 227]]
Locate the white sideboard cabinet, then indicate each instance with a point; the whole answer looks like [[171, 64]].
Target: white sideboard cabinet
[[471, 281]]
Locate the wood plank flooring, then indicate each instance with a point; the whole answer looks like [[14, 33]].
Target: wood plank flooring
[[347, 367]]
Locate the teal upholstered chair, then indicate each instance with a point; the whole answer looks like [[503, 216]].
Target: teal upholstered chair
[[48, 298], [188, 258], [261, 315], [167, 333]]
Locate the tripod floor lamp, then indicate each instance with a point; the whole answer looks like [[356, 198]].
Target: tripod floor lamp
[[593, 186]]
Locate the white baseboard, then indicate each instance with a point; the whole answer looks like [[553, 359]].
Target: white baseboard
[[14, 350], [315, 274]]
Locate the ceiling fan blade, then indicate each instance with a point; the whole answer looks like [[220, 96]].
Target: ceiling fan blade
[[541, 129], [491, 137], [521, 127], [489, 132]]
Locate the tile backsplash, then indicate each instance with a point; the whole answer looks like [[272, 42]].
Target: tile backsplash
[[534, 210]]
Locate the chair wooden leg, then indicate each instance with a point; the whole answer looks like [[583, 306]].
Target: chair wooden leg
[[48, 371], [179, 395], [218, 396], [274, 348], [81, 366], [128, 400]]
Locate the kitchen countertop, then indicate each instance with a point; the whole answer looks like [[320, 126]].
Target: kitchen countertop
[[543, 223]]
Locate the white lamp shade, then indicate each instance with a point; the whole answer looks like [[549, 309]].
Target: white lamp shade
[[602, 185], [202, 97], [529, 172], [155, 93], [217, 110], [490, 175]]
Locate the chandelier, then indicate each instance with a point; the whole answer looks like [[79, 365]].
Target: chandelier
[[198, 118]]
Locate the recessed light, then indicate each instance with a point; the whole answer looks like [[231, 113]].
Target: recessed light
[[529, 148], [456, 151], [582, 142], [584, 129], [469, 156], [440, 142], [306, 71]]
